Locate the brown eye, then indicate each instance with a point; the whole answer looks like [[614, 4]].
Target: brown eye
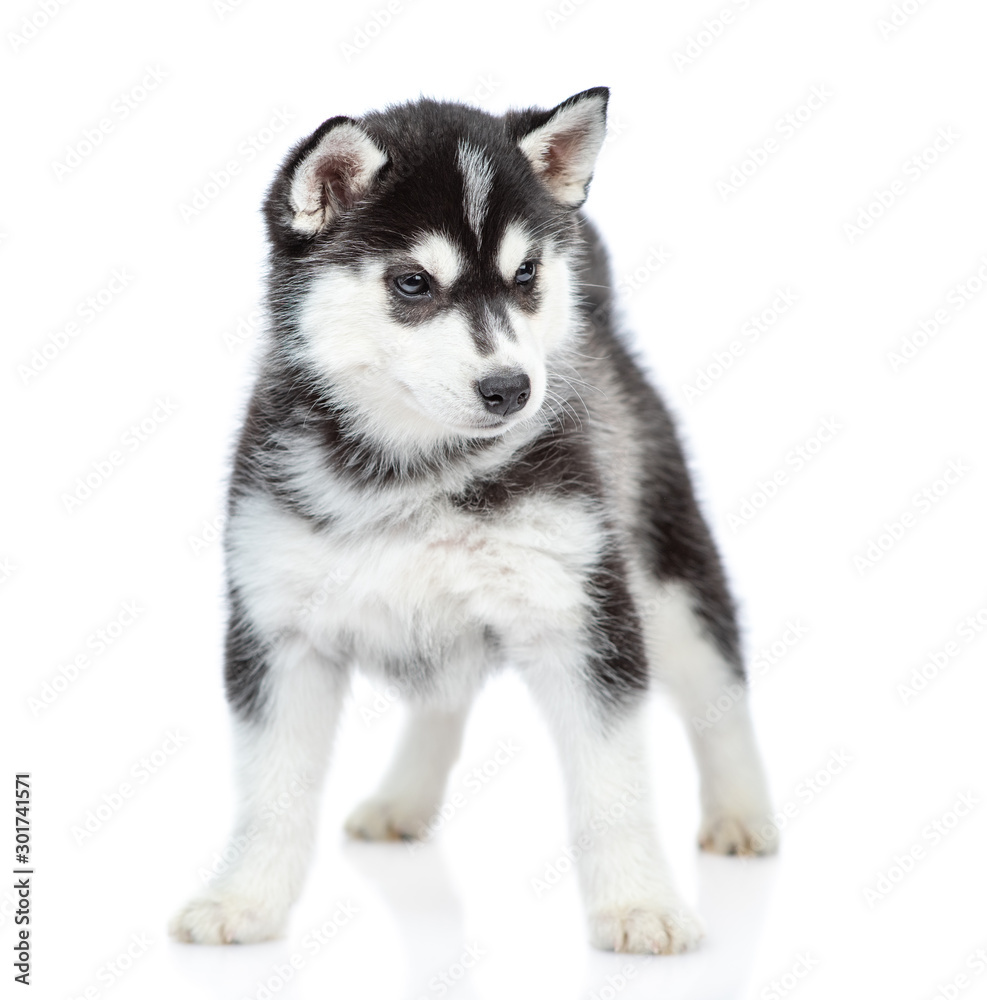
[[413, 285], [525, 274]]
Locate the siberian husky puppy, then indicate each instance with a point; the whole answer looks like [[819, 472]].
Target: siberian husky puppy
[[451, 462]]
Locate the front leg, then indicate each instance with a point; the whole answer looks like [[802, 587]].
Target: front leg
[[286, 706], [590, 684]]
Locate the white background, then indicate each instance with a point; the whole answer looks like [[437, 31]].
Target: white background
[[677, 131]]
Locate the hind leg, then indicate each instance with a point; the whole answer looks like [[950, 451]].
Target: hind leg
[[412, 789], [711, 695]]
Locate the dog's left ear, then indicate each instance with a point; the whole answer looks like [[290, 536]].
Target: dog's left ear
[[562, 144]]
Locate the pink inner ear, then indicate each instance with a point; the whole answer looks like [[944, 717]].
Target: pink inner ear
[[564, 148], [336, 175]]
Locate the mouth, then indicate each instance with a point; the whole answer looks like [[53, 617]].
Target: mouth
[[485, 427], [488, 425], [474, 424]]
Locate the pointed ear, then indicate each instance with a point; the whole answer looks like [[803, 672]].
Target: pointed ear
[[329, 173], [562, 144]]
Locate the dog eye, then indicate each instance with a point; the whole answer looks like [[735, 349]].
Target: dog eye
[[413, 285], [525, 274]]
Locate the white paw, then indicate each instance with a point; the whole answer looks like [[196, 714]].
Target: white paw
[[646, 929], [227, 918], [726, 834], [390, 819]]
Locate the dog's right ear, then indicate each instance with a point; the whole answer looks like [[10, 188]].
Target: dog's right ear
[[323, 176]]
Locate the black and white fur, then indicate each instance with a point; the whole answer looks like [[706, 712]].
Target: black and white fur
[[388, 510]]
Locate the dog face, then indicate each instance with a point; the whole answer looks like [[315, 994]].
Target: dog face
[[429, 248]]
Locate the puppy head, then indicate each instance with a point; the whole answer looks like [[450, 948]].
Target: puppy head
[[422, 261]]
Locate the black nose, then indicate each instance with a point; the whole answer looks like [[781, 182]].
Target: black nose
[[505, 394]]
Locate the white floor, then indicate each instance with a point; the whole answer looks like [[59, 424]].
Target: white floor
[[468, 914], [865, 566]]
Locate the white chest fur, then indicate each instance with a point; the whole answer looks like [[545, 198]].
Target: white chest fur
[[423, 585]]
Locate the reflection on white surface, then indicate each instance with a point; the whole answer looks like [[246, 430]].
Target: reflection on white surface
[[416, 938], [415, 885]]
